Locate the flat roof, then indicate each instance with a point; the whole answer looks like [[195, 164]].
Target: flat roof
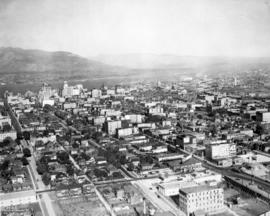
[[197, 189], [178, 184]]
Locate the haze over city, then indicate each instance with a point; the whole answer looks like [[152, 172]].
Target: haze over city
[[134, 107], [179, 27]]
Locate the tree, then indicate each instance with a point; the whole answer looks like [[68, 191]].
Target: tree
[[100, 173], [123, 159], [70, 170], [260, 130], [75, 145], [19, 136], [63, 157], [7, 187], [4, 165], [18, 141], [46, 178], [97, 135], [130, 167], [117, 175], [26, 135], [146, 159], [45, 133], [48, 108], [26, 152], [199, 116], [6, 127], [6, 142], [41, 168], [25, 161]]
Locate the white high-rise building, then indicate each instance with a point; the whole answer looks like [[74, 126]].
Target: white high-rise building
[[45, 94], [69, 91]]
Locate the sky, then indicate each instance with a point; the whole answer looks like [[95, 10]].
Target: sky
[[179, 27]]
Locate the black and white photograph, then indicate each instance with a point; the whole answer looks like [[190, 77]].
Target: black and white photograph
[[134, 107]]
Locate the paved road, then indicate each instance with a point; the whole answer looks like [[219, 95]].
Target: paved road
[[101, 198], [35, 177], [160, 202]]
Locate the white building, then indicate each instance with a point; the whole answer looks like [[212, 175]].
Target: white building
[[45, 94], [111, 126], [69, 105], [155, 110], [99, 120], [96, 93], [69, 91], [160, 149], [4, 120], [12, 134], [123, 132], [206, 198], [47, 102], [172, 184], [219, 151], [263, 117], [110, 112], [134, 118], [120, 90]]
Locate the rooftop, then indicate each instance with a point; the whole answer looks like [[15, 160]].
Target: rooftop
[[197, 189]]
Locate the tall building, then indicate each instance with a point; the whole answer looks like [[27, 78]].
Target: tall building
[[69, 91], [263, 117], [96, 93], [46, 91], [120, 90], [219, 151], [201, 198], [45, 94], [155, 110], [111, 126]]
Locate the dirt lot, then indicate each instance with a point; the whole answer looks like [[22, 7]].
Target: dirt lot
[[247, 205], [250, 207], [81, 206]]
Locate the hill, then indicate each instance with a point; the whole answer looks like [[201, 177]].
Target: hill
[[14, 60]]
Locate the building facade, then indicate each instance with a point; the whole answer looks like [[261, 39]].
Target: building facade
[[206, 198]]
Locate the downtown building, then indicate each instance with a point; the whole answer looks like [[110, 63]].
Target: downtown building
[[203, 198]]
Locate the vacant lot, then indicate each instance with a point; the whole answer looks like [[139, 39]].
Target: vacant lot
[[80, 207]]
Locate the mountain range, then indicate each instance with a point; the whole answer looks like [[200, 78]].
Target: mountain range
[[14, 60], [23, 66]]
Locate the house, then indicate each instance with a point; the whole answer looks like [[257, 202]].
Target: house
[[62, 191], [88, 188], [190, 165], [135, 161], [75, 190], [111, 169], [120, 194], [146, 166], [60, 168], [17, 179], [101, 160], [19, 173]]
